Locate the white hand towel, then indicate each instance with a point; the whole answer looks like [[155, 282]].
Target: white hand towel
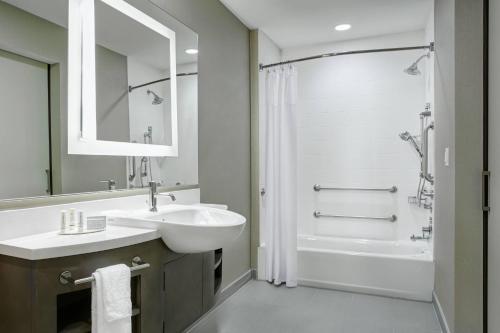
[[111, 303]]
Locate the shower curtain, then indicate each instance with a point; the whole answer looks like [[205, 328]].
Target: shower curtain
[[280, 177]]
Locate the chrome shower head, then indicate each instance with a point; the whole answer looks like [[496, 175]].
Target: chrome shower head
[[405, 136], [156, 99], [413, 69]]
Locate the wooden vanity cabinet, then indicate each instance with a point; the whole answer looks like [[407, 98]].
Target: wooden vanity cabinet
[[167, 297], [183, 288]]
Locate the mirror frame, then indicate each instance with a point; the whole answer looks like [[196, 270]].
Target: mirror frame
[[82, 119]]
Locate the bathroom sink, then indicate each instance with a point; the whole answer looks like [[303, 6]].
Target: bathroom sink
[[184, 228]]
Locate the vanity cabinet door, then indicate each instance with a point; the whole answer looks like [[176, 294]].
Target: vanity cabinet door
[[183, 297]]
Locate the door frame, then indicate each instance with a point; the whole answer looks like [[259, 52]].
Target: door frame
[[485, 159]]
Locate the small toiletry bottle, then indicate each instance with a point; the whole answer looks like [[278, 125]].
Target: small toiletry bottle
[[72, 219], [64, 222], [80, 221]]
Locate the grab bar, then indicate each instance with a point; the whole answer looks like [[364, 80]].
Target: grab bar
[[318, 188], [392, 218], [66, 276], [425, 157], [131, 176]]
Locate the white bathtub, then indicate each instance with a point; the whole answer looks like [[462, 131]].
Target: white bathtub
[[396, 269]]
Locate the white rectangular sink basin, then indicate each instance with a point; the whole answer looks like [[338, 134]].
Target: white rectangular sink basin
[[184, 228]]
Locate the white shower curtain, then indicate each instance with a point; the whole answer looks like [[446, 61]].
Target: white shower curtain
[[280, 177]]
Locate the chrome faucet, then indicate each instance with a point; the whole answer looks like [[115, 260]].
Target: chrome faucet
[[426, 233], [153, 194]]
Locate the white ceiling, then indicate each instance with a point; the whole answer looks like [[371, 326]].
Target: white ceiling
[[292, 23]]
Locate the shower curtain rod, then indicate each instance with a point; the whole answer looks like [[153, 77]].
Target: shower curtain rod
[[429, 47], [130, 88]]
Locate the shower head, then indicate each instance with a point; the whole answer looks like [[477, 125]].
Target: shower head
[[156, 99], [413, 69], [405, 136]]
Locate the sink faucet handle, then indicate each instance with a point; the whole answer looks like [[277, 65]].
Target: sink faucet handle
[[171, 195]]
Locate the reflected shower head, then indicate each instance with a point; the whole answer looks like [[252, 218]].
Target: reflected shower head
[[413, 69], [157, 99]]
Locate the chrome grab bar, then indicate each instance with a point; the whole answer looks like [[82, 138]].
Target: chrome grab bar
[[318, 188], [425, 157], [66, 276], [132, 167], [392, 218]]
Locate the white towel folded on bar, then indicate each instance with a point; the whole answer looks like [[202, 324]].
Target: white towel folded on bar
[[111, 303]]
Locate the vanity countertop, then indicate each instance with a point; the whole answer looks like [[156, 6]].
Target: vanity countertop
[[52, 245]]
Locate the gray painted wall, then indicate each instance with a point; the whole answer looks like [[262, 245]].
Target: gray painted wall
[[469, 161], [83, 173], [112, 97], [36, 38], [459, 106], [444, 225], [224, 115]]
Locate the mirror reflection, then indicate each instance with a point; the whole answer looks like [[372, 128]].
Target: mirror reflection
[[133, 100], [132, 88]]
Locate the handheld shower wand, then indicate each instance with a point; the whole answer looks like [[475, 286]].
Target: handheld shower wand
[[406, 136]]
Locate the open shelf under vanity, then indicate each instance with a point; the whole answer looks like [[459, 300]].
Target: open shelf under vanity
[[74, 309]]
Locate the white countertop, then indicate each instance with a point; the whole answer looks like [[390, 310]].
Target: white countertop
[[52, 245]]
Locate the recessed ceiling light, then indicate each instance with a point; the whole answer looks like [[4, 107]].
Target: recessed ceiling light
[[191, 51], [342, 27]]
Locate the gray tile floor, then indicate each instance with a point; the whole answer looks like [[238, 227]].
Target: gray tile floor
[[259, 307]]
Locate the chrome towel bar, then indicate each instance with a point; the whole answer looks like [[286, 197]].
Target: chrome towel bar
[[318, 188], [66, 276], [392, 218]]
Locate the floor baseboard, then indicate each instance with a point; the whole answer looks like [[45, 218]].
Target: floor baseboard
[[440, 313], [225, 294], [233, 287]]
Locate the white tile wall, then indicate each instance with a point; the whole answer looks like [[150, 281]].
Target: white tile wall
[[351, 110]]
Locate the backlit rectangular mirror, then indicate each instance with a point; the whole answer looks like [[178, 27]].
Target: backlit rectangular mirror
[[130, 60], [140, 48]]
